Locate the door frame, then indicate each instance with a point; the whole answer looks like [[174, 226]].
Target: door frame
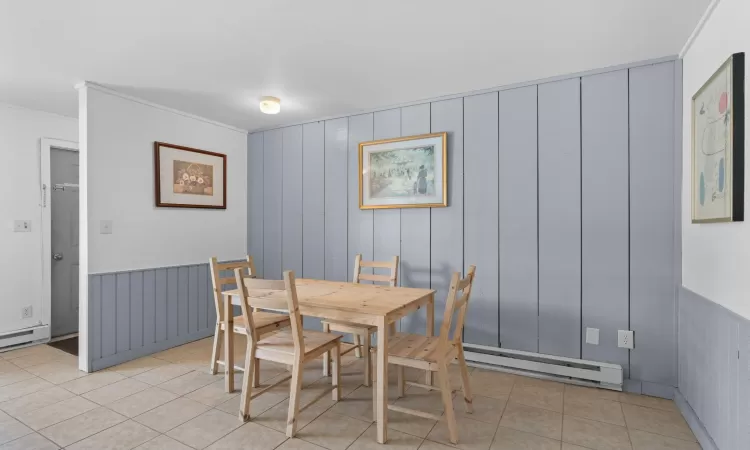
[[45, 201]]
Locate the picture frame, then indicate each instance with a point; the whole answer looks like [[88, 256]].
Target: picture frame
[[186, 177], [717, 145], [405, 172]]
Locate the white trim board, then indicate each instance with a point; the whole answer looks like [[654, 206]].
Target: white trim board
[[106, 90]]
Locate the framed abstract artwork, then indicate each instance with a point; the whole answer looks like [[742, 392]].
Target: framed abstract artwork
[[407, 172], [189, 178], [718, 141]]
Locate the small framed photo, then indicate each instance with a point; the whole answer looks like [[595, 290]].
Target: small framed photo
[[407, 172], [189, 178]]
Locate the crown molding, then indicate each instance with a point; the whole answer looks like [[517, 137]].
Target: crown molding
[[106, 90]]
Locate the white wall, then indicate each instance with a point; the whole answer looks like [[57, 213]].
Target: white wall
[[119, 149], [716, 257], [21, 263]]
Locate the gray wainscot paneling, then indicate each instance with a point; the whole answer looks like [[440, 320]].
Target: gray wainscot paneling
[[561, 192], [139, 312], [714, 374]]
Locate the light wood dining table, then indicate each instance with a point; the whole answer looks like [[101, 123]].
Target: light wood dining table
[[363, 304]]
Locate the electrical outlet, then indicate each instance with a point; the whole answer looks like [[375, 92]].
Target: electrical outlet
[[27, 312], [22, 226], [625, 339], [592, 336]]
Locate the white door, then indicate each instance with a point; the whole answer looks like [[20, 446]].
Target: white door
[[64, 231]]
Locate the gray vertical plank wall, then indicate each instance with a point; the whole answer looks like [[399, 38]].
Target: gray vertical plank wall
[[518, 236], [272, 202], [546, 196], [335, 192], [313, 205], [447, 224], [131, 315], [652, 293], [292, 199], [714, 374], [560, 218], [415, 226], [360, 225], [604, 215], [255, 199], [481, 215], [386, 222]]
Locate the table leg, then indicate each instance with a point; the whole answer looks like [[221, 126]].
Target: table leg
[[430, 310], [229, 345], [381, 397]]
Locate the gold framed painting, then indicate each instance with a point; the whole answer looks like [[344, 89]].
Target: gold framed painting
[[186, 177], [718, 145], [407, 172]]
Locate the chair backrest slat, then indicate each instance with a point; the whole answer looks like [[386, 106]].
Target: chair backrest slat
[[271, 294], [221, 282], [391, 278], [454, 304]]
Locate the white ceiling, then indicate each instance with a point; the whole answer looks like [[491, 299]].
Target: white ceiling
[[216, 58]]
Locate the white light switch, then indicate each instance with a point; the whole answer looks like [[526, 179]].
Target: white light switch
[[592, 336], [22, 226], [105, 227]]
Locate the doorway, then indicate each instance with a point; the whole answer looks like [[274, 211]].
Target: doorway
[[61, 255]]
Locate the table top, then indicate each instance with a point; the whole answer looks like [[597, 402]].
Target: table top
[[321, 298]]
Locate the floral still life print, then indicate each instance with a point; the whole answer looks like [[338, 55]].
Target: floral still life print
[[187, 177], [193, 178]]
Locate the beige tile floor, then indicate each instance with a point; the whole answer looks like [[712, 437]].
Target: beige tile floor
[[168, 401]]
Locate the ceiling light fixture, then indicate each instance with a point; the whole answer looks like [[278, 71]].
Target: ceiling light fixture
[[270, 105]]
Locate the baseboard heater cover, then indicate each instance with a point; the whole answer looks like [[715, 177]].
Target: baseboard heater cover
[[12, 340], [537, 365]]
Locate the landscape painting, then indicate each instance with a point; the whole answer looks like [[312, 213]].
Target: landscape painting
[[403, 173], [718, 145]]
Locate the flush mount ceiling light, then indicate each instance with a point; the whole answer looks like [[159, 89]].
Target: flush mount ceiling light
[[270, 105]]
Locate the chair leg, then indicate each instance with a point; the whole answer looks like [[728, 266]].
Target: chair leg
[[374, 384], [256, 373], [357, 346], [368, 362], [337, 372], [445, 390], [401, 381], [216, 350], [326, 355], [294, 392], [465, 381], [247, 383]]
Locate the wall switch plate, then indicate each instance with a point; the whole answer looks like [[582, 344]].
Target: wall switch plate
[[22, 226], [592, 336], [27, 312], [105, 227], [625, 339]]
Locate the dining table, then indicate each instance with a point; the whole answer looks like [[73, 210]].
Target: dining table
[[359, 303]]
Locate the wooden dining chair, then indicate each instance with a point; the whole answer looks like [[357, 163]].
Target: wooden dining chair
[[435, 354], [361, 334], [292, 346], [265, 322]]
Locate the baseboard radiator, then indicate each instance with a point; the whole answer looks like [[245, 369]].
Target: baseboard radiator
[[537, 365], [12, 340]]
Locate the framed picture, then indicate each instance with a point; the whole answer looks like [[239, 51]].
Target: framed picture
[[408, 172], [189, 178], [718, 141]]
